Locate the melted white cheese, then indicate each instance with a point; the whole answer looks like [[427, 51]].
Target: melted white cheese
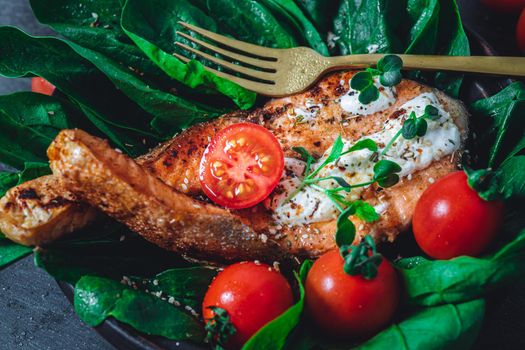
[[350, 101], [311, 205]]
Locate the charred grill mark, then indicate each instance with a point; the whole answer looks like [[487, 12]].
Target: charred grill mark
[[56, 203], [340, 90], [191, 149], [397, 113], [316, 91], [28, 193]]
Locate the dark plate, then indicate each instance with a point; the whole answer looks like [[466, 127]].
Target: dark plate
[[504, 333]]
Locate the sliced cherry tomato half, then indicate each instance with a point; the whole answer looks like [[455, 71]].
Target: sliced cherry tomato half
[[241, 166], [42, 86]]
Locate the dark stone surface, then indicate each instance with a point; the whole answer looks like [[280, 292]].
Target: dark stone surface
[[34, 314]]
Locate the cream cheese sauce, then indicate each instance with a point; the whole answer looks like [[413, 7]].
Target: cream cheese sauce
[[350, 101], [311, 205]]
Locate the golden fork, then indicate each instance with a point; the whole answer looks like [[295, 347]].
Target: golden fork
[[281, 72]]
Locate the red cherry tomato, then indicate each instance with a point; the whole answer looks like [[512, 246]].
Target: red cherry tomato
[[241, 166], [42, 86], [505, 6], [520, 32], [450, 219], [347, 306], [253, 294]]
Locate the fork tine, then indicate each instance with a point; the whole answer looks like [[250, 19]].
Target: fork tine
[[264, 52], [245, 83], [233, 67], [235, 56]]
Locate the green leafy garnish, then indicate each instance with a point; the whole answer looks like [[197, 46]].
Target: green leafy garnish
[[389, 71], [97, 298], [361, 259], [219, 328], [385, 173], [345, 233], [365, 211], [413, 127], [368, 144]]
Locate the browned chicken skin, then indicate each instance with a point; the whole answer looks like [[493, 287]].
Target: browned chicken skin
[[162, 199]]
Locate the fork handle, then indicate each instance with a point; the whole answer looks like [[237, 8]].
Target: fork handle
[[514, 66]]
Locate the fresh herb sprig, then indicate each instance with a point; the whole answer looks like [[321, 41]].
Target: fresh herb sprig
[[361, 259], [385, 174], [389, 71], [414, 126], [219, 328]]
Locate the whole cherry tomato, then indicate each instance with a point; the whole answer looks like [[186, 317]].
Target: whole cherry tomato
[[253, 294], [451, 219], [241, 166], [347, 306], [42, 86]]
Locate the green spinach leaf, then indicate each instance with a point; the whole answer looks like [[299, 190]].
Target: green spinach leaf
[[170, 113], [186, 285], [110, 111], [320, 11], [95, 25], [368, 26], [435, 282], [97, 298], [250, 21], [504, 112], [10, 251], [451, 326], [29, 123], [7, 180], [288, 9], [154, 32]]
